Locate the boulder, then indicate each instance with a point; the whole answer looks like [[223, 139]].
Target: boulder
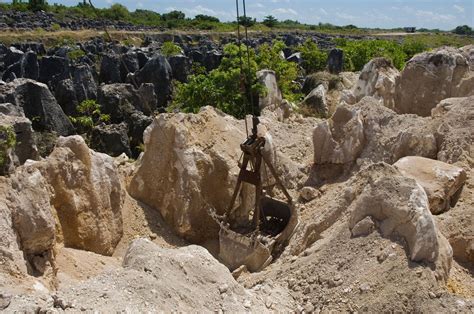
[[273, 94], [181, 67], [39, 105], [442, 182], [25, 146], [212, 60], [12, 56], [111, 139], [400, 207], [296, 58], [340, 139], [316, 101], [157, 71], [377, 79], [430, 77], [336, 61], [87, 195], [120, 100], [110, 69], [454, 130], [53, 69], [128, 64], [26, 67], [189, 167], [137, 124]]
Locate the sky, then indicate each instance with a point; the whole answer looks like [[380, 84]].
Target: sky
[[442, 14]]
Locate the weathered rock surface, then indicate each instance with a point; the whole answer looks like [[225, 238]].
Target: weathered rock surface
[[377, 79], [111, 139], [401, 208], [39, 105], [189, 167], [336, 61], [340, 139], [316, 101], [431, 77], [273, 94], [157, 71], [88, 195], [442, 182]]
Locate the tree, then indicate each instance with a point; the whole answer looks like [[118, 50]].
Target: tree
[[270, 21], [463, 30], [247, 21], [173, 15], [207, 18], [37, 5], [117, 12]]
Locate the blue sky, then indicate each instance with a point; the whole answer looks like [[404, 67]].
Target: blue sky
[[443, 14]]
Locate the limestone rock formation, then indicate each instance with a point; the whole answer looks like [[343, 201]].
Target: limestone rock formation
[[401, 208], [431, 77], [377, 79], [39, 105], [442, 182], [157, 71], [340, 139], [316, 101], [88, 195], [189, 166], [273, 94]]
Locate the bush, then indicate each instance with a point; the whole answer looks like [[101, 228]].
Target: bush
[[270, 21], [169, 49], [359, 53], [75, 54], [222, 87], [116, 12], [463, 30], [269, 57], [90, 116], [314, 59], [7, 141]]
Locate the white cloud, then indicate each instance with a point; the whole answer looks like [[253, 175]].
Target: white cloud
[[284, 11], [459, 8], [434, 16]]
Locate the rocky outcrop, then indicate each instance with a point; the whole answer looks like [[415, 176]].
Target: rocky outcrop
[[400, 207], [39, 105], [316, 102], [111, 139], [157, 71], [431, 77], [340, 139], [87, 195], [377, 79], [273, 94], [336, 61], [189, 167], [442, 182]]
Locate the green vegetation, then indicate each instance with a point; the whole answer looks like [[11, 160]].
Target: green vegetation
[[314, 59], [224, 87], [90, 116], [75, 54], [463, 30], [7, 141], [169, 49]]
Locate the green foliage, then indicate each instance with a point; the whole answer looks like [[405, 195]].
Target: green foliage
[[314, 59], [208, 18], [360, 52], [463, 30], [222, 87], [411, 46], [247, 21], [169, 49], [55, 27], [116, 12], [75, 54], [270, 21], [269, 57], [37, 5], [89, 116], [7, 141]]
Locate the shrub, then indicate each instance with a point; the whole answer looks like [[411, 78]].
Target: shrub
[[269, 57], [270, 21], [314, 59], [75, 54], [463, 30], [90, 116], [169, 49], [7, 141], [360, 52]]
